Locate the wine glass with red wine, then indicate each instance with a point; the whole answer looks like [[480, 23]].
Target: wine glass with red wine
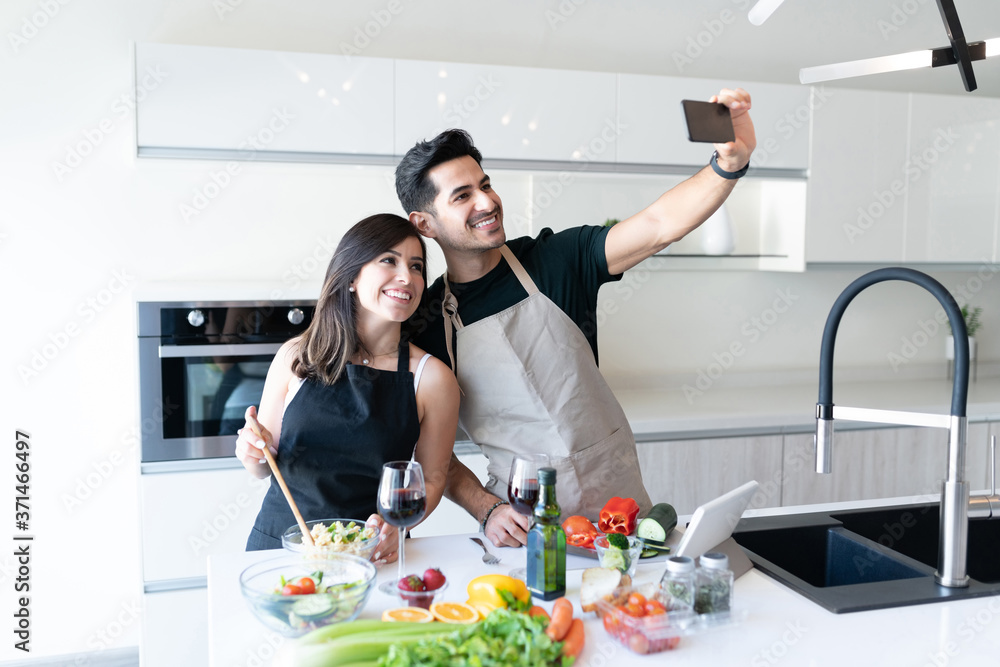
[[522, 489], [402, 502]]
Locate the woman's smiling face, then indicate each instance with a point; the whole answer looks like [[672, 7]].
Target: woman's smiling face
[[390, 286]]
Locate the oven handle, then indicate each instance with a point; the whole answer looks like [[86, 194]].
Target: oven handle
[[219, 350]]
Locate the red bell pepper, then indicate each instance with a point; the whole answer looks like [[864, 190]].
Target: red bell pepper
[[580, 532], [619, 516]]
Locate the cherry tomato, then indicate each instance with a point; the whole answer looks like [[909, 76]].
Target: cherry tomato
[[634, 610], [637, 599], [654, 607], [638, 643], [307, 586], [611, 623], [291, 589]]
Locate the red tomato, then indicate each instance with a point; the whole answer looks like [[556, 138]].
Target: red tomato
[[611, 623], [654, 607], [580, 532], [291, 589], [638, 643], [634, 610], [637, 599], [307, 586]]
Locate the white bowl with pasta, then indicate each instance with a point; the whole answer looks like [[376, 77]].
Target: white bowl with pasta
[[332, 536]]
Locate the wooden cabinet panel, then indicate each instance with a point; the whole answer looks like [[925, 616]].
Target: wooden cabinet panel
[[877, 463], [688, 473]]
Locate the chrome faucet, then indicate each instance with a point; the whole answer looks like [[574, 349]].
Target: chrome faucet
[[954, 538]]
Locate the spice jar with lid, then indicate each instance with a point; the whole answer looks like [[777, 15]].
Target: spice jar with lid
[[713, 583], [678, 584]]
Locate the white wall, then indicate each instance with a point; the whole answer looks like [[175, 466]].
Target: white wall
[[75, 246]]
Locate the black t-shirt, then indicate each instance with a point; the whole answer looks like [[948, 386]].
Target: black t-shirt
[[569, 268]]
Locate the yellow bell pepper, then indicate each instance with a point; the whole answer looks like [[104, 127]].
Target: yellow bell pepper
[[484, 591]]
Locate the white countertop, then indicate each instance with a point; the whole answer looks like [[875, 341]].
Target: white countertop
[[781, 627]]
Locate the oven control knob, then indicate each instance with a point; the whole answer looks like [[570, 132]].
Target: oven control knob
[[196, 318], [295, 315]]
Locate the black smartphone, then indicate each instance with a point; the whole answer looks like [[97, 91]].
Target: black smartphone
[[708, 122]]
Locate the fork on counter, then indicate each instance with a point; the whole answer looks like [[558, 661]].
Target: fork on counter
[[488, 558]]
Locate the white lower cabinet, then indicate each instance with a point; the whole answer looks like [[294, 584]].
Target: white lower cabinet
[[688, 473], [175, 629]]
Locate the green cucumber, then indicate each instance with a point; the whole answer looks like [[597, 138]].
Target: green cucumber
[[656, 525]]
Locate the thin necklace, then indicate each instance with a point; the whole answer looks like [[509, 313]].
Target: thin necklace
[[376, 356]]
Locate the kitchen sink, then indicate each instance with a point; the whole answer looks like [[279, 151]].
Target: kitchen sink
[[859, 560], [913, 531]]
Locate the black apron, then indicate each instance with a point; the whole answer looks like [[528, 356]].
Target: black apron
[[334, 440]]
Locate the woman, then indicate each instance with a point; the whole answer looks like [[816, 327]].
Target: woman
[[349, 394]]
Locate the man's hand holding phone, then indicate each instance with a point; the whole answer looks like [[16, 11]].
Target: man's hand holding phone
[[724, 122]]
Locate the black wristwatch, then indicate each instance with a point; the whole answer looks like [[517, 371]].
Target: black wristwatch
[[731, 175]]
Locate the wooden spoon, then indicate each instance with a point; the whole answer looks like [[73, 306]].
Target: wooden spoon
[[306, 535]]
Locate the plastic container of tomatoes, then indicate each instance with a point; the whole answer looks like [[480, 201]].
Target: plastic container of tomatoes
[[638, 618]]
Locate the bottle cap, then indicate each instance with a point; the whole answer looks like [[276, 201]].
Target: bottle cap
[[546, 475], [680, 564], [714, 560]]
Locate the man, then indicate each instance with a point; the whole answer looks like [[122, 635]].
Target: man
[[516, 321]]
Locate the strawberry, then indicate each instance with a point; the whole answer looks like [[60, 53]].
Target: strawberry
[[433, 579], [411, 583]]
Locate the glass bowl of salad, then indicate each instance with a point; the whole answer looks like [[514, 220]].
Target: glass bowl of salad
[[332, 537], [293, 595]]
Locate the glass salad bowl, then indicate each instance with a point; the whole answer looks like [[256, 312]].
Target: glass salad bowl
[[278, 591]]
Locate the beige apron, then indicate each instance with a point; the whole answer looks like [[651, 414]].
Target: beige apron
[[530, 384]]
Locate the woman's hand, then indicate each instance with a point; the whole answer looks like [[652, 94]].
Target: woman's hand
[[250, 447], [388, 541]]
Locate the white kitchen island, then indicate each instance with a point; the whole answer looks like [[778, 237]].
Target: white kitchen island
[[781, 626]]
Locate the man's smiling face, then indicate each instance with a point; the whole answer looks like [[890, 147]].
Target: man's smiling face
[[467, 214]]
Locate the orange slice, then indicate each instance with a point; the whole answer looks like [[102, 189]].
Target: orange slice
[[454, 612], [484, 608], [408, 615]]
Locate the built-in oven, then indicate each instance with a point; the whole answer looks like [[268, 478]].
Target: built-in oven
[[201, 364]]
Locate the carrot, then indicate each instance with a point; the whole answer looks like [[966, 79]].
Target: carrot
[[573, 641], [562, 617], [538, 611]]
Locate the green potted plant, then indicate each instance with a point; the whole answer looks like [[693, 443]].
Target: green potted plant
[[972, 325]]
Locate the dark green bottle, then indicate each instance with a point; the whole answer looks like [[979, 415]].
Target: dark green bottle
[[546, 577]]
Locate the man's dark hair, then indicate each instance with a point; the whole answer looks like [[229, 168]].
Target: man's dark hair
[[414, 188]]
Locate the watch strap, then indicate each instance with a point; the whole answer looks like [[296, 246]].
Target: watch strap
[[730, 175]]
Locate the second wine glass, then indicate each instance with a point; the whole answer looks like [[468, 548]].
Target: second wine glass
[[522, 489], [402, 502]]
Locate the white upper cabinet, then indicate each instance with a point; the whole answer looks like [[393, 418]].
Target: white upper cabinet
[[246, 100], [857, 181], [653, 130], [954, 194], [904, 178], [516, 113]]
